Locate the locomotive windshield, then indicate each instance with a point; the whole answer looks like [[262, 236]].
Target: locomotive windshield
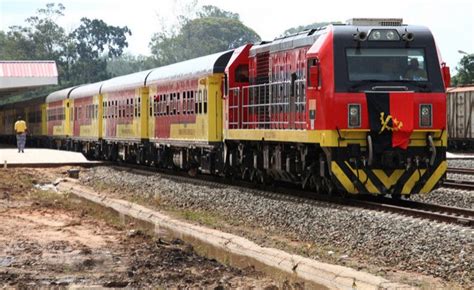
[[386, 64], [397, 64]]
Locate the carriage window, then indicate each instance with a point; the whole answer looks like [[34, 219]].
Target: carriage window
[[184, 106], [176, 102], [199, 102], [135, 109], [191, 102], [188, 103], [171, 101], [139, 106], [160, 105], [171, 104], [150, 106], [205, 101], [178, 105]]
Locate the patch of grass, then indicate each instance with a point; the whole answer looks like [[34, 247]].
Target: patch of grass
[[148, 201], [200, 217]]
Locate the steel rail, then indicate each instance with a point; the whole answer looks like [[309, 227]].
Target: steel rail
[[459, 184], [467, 171]]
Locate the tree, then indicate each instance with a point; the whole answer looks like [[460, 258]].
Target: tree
[[41, 39], [90, 46], [297, 29], [81, 55], [213, 11], [465, 69], [212, 31], [127, 64]]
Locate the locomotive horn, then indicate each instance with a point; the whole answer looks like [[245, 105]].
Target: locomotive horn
[[360, 36], [408, 36]]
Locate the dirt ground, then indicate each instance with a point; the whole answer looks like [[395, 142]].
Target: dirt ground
[[49, 240]]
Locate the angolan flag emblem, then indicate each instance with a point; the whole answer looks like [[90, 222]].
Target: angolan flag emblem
[[390, 119]]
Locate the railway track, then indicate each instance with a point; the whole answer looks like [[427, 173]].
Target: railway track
[[459, 184], [440, 213], [430, 211], [467, 171]]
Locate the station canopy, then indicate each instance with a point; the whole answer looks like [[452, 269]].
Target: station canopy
[[20, 76]]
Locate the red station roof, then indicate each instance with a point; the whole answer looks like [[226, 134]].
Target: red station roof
[[20, 76]]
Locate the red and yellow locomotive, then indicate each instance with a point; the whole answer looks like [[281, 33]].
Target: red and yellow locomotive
[[356, 108], [341, 107]]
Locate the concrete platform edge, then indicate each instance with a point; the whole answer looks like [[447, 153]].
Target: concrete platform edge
[[272, 260]]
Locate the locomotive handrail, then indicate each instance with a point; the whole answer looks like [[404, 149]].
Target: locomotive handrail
[[370, 149], [268, 104], [433, 149]]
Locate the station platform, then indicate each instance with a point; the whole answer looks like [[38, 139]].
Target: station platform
[[41, 158]]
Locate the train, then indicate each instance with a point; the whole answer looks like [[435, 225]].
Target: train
[[356, 108], [461, 118]]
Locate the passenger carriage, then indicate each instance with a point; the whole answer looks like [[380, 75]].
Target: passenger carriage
[[124, 124], [87, 118], [59, 110], [185, 111]]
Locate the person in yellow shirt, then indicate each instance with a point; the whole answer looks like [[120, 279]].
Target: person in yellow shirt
[[20, 130]]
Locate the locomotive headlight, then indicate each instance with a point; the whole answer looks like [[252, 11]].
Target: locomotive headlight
[[376, 35], [390, 35], [426, 116], [384, 35], [354, 117]]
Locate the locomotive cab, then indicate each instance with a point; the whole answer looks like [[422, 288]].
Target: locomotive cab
[[385, 85]]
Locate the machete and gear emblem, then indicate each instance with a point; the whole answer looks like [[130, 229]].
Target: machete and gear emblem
[[384, 121]]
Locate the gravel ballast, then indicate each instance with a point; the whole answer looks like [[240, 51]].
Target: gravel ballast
[[388, 241], [461, 163], [449, 197]]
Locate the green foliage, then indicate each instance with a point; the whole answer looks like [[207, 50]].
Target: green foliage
[[41, 39], [465, 73], [297, 29], [216, 12], [81, 56], [89, 48], [127, 64], [93, 37], [212, 31]]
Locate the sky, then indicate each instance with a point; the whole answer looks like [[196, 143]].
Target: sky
[[451, 21]]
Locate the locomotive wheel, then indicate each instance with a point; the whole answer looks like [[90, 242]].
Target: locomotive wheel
[[139, 156], [244, 173], [193, 171], [327, 186], [262, 177], [97, 152]]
